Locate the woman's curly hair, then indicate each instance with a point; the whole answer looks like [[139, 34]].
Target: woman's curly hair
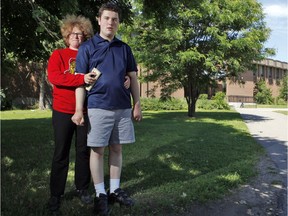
[[71, 21]]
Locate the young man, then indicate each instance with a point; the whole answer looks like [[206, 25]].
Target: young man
[[109, 105]]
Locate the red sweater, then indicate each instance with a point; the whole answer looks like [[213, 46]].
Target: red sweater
[[61, 69]]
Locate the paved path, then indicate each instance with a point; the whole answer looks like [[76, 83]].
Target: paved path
[[270, 129]]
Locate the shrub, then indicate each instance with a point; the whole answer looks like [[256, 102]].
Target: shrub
[[280, 101], [284, 88], [157, 104], [6, 103], [217, 102], [204, 103]]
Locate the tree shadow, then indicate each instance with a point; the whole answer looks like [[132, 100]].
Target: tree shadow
[[170, 115], [201, 149], [187, 156], [277, 150], [254, 118]]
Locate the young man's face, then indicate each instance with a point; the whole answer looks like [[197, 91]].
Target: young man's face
[[108, 22]]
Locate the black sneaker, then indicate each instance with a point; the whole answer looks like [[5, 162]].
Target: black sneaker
[[121, 197], [101, 205], [85, 197], [54, 204]]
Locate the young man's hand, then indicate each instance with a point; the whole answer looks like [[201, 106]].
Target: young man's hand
[[137, 113], [78, 118], [90, 78]]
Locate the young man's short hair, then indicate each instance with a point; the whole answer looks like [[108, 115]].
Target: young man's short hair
[[110, 6]]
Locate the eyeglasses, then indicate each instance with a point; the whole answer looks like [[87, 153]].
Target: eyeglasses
[[76, 34]]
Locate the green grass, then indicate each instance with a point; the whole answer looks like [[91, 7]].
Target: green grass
[[282, 112], [175, 162], [265, 106]]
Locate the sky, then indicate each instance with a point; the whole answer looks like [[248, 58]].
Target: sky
[[276, 18]]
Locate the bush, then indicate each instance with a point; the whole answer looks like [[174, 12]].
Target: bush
[[157, 104], [204, 103], [280, 101], [284, 88], [6, 103], [217, 102]]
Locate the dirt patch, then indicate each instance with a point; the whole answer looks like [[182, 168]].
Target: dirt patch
[[265, 195]]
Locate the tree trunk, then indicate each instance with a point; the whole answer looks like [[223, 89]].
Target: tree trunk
[[191, 94], [42, 88], [192, 108]]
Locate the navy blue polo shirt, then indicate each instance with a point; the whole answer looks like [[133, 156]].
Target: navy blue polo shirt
[[114, 59]]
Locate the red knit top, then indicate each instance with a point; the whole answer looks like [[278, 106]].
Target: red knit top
[[61, 69]]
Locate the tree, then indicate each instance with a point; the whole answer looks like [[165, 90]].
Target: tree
[[263, 95], [30, 30], [192, 44], [284, 88]]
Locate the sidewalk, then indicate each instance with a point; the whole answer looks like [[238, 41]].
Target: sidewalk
[[270, 129]]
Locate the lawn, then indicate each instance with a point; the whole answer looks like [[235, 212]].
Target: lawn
[[265, 106], [282, 112], [175, 162]]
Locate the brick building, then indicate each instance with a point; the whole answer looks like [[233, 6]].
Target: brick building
[[270, 70]]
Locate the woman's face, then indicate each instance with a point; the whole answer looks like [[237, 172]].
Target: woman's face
[[76, 37]]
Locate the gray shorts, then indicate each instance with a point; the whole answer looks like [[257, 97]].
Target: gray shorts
[[107, 127]]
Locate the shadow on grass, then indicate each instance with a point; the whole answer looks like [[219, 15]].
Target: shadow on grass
[[187, 161], [173, 163], [188, 154], [215, 115], [26, 152]]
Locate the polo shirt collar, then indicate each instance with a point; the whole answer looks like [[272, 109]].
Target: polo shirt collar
[[99, 39]]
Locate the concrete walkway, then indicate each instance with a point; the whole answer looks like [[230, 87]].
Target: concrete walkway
[[270, 129]]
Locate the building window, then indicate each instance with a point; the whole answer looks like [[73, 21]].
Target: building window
[[262, 71], [277, 73], [270, 72], [255, 76]]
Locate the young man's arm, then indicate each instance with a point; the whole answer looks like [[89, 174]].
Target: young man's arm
[[137, 113], [78, 117]]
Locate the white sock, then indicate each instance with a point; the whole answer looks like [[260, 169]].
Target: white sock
[[114, 184], [100, 188]]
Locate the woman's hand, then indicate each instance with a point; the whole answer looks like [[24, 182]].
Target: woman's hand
[[127, 82]]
